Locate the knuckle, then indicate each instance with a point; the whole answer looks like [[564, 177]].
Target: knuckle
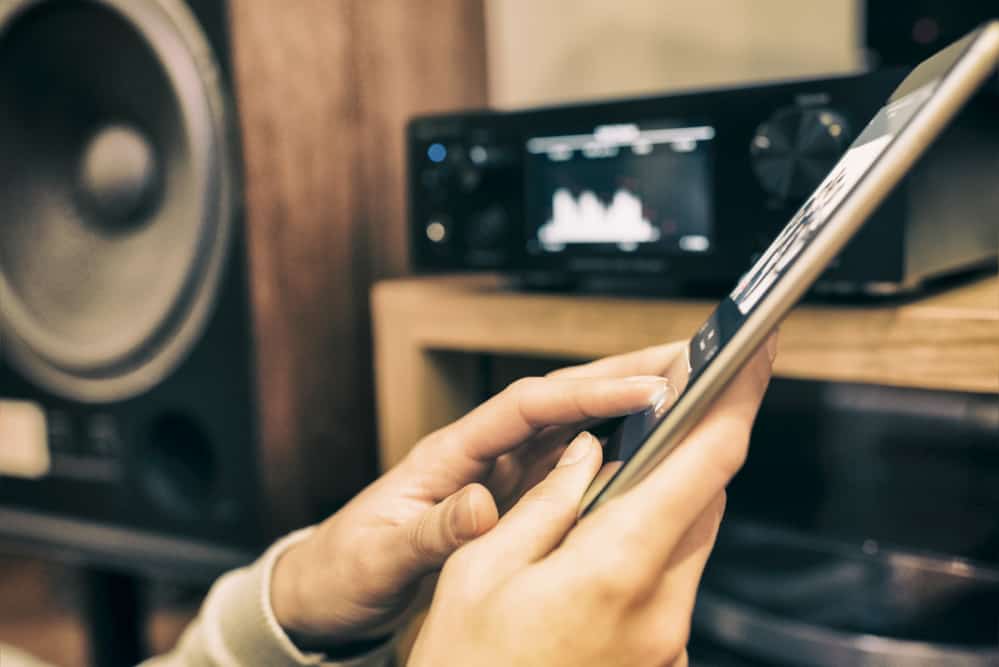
[[524, 386], [461, 564], [673, 639], [421, 540], [547, 499], [468, 572], [618, 580], [735, 448], [358, 567], [429, 448], [561, 372], [630, 528], [610, 589]]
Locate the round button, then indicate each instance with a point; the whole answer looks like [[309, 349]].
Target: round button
[[437, 229]]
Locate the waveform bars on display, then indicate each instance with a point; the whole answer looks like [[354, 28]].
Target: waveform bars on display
[[586, 219]]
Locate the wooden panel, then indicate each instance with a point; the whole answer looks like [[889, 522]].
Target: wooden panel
[[945, 341], [324, 88], [948, 340]]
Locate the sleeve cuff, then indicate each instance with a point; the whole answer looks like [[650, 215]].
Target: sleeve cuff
[[249, 628]]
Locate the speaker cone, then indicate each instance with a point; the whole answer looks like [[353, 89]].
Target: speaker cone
[[117, 191]]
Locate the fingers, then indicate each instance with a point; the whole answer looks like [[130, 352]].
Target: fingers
[[540, 521], [449, 524], [515, 473], [526, 406], [702, 466], [648, 361], [650, 519]]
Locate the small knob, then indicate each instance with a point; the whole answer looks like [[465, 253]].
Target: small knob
[[438, 228]]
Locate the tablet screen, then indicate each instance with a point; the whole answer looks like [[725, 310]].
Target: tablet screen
[[806, 225]]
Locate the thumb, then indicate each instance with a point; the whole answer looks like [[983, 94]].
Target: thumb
[[459, 518], [541, 519]]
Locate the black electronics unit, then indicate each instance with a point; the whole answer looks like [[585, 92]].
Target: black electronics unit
[[907, 33], [680, 191], [126, 381]]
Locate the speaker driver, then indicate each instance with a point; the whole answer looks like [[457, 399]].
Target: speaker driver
[[118, 191]]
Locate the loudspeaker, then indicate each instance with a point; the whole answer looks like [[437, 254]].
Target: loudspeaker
[[125, 327], [184, 330]]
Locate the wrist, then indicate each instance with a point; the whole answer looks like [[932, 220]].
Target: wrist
[[288, 602], [286, 589]]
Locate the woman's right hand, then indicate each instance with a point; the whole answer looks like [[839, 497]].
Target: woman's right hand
[[616, 588]]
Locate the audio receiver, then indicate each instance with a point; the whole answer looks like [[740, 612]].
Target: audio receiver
[[682, 190]]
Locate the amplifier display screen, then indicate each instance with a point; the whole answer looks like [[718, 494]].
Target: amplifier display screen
[[625, 187]]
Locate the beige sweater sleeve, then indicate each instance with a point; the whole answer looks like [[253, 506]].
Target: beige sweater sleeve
[[236, 626]]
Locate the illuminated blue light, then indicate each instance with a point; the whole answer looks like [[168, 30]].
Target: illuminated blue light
[[437, 152]]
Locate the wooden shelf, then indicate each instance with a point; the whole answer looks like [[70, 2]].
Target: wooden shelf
[[948, 340], [429, 333]]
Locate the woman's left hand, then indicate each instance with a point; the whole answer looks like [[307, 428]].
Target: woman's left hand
[[357, 574]]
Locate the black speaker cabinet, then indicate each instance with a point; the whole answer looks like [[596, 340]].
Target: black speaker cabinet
[[127, 418], [162, 405]]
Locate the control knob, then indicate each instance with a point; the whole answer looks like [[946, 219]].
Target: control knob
[[794, 150]]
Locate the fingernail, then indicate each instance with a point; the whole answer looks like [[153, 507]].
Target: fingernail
[[465, 524], [772, 346], [580, 448], [658, 387]]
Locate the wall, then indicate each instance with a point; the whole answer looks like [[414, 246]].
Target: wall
[[543, 51]]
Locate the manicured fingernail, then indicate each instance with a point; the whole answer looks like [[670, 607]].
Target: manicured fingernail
[[580, 448], [658, 387], [772, 346]]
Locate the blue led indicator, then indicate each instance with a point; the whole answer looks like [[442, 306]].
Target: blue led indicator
[[437, 152]]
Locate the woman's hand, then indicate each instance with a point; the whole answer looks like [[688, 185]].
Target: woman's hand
[[617, 588], [356, 576]]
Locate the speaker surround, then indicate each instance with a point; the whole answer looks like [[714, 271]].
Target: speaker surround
[[120, 188]]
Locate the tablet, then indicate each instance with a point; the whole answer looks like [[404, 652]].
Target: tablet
[[914, 115]]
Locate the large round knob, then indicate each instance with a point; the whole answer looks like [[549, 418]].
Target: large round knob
[[794, 150]]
